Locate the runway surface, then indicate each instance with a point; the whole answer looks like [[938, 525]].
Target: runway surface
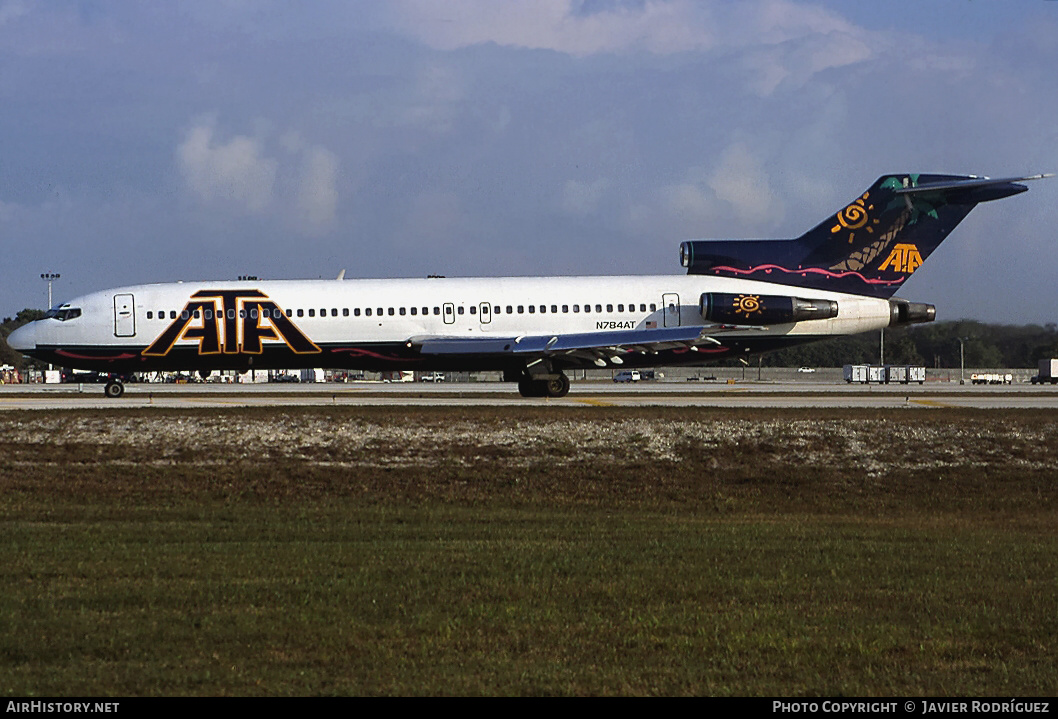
[[591, 393]]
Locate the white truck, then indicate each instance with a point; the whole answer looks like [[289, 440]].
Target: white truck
[[1048, 372], [991, 378]]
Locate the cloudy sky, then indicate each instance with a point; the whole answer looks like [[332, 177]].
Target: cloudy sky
[[157, 141]]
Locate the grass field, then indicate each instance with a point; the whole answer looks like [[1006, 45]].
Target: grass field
[[529, 551]]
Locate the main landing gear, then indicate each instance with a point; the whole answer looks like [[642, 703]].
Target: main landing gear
[[114, 388], [554, 385]]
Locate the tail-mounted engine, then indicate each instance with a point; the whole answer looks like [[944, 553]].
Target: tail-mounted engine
[[903, 312], [751, 309]]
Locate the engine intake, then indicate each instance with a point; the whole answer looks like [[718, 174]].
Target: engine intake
[[751, 309]]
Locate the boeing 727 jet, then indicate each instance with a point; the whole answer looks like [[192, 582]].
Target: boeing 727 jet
[[738, 298]]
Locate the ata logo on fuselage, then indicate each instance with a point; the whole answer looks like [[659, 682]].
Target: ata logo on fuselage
[[231, 322], [903, 258]]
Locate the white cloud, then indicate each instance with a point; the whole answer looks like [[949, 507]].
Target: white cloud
[[12, 10], [583, 198], [741, 182], [660, 27], [234, 173], [299, 186], [317, 192]]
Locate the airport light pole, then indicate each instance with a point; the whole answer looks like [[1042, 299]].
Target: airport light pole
[[962, 360], [49, 277]]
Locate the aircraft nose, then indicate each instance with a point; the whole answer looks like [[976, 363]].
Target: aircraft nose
[[24, 339]]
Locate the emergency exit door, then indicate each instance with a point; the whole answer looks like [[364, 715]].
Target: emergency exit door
[[670, 304]]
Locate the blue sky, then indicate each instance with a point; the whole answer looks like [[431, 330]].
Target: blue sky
[[149, 142]]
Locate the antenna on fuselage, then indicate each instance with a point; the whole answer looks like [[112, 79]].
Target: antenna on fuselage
[[341, 275]]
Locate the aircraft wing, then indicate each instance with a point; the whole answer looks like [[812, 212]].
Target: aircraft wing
[[596, 346]]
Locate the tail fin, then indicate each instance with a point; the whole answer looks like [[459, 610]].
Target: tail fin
[[868, 248]]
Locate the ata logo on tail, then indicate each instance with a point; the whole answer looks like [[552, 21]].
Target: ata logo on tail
[[903, 258], [231, 322]]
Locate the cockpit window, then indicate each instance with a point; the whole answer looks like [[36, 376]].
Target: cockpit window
[[63, 313]]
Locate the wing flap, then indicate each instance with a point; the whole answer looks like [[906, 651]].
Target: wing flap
[[616, 341]]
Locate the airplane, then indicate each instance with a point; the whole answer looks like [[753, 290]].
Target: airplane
[[738, 298]]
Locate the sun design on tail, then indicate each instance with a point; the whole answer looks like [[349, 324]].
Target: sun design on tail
[[855, 217]]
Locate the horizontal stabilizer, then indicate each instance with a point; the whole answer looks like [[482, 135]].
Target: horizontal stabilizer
[[967, 184]]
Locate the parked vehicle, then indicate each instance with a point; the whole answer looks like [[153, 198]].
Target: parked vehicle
[[1048, 372], [627, 376]]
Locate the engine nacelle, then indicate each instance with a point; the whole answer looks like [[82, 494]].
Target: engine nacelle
[[903, 312], [751, 309]]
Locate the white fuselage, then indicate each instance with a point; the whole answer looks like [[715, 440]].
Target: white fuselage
[[132, 321]]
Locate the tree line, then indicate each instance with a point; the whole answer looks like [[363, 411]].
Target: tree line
[[933, 345]]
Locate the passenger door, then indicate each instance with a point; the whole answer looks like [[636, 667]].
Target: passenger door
[[124, 316]]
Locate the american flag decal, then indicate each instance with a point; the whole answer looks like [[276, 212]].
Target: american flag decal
[[652, 325]]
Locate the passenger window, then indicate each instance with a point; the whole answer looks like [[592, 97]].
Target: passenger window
[[209, 314], [402, 311], [379, 312], [150, 315], [334, 312], [345, 312], [426, 310], [620, 308], [368, 312], [459, 310], [496, 310], [253, 314], [391, 313], [242, 313], [576, 308], [414, 311], [301, 313], [448, 310], [554, 308], [521, 309], [437, 310], [356, 311], [609, 308], [473, 310], [312, 313], [565, 309], [653, 307], [598, 308], [532, 309], [510, 310]]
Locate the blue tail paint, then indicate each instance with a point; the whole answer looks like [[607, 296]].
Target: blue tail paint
[[870, 247]]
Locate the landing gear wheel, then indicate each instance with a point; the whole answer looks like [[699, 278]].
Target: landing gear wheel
[[114, 389], [558, 386], [555, 386], [531, 387]]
